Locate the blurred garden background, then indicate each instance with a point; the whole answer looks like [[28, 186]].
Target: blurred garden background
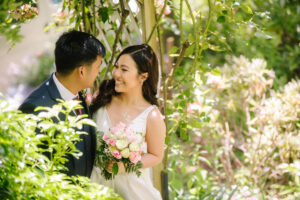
[[229, 91]]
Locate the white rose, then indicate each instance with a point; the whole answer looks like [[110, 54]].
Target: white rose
[[125, 153], [121, 144], [134, 147]]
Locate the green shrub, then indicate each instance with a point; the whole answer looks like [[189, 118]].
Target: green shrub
[[241, 138], [25, 172]]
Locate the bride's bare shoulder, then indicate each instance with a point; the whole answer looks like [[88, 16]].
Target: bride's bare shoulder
[[155, 117]]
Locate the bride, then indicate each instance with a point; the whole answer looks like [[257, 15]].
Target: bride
[[130, 97]]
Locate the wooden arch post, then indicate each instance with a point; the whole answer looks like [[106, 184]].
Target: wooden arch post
[[148, 17]]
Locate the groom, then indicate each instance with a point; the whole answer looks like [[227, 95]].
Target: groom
[[78, 57]]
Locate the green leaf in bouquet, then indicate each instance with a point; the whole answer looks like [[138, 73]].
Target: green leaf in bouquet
[[115, 168]]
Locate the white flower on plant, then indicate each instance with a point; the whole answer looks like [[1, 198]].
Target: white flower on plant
[[213, 79], [134, 147], [121, 144], [193, 107]]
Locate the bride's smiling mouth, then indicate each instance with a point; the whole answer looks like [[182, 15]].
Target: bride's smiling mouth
[[118, 82]]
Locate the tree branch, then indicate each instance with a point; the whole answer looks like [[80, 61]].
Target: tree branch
[[94, 18], [195, 33], [125, 13], [180, 21], [209, 18], [171, 75]]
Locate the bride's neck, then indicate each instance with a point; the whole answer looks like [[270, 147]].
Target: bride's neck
[[131, 99]]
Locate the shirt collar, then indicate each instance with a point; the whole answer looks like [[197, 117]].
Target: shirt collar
[[64, 92]]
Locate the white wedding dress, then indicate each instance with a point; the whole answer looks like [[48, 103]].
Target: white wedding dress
[[128, 185]]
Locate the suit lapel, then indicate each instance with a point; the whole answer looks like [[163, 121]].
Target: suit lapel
[[91, 130]]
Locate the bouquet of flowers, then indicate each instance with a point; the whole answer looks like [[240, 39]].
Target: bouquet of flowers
[[120, 144]]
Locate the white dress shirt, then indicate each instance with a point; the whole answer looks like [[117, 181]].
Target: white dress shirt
[[64, 92]]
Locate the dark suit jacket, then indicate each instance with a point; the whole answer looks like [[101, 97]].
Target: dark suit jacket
[[46, 95]]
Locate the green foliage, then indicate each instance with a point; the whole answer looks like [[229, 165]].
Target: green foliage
[[26, 173], [12, 14], [247, 116], [272, 33]]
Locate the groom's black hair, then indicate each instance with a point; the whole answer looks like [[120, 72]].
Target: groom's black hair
[[76, 48]]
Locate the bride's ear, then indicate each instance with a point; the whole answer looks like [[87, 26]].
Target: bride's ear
[[144, 76]]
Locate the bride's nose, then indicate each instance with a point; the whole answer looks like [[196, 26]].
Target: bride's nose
[[116, 72]]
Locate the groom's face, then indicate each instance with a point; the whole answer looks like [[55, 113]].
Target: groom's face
[[91, 72]]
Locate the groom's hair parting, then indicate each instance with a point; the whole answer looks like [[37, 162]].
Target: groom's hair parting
[[74, 49], [146, 61]]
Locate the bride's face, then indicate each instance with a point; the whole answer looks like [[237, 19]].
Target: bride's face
[[125, 74]]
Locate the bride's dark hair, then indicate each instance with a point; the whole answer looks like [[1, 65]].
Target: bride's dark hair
[[146, 61]]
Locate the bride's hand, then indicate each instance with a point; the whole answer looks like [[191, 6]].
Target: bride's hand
[[120, 166]]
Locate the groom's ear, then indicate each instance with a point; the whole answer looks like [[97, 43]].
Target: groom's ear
[[80, 71]]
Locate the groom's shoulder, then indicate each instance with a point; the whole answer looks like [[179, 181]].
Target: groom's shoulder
[[39, 97]]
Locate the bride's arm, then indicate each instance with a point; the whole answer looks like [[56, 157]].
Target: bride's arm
[[155, 138]]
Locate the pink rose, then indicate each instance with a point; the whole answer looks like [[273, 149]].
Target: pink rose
[[88, 98], [129, 133], [118, 128], [104, 138], [117, 154], [134, 157], [192, 107], [129, 130], [112, 142]]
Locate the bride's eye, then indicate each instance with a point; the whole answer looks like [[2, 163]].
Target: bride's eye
[[124, 70]]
